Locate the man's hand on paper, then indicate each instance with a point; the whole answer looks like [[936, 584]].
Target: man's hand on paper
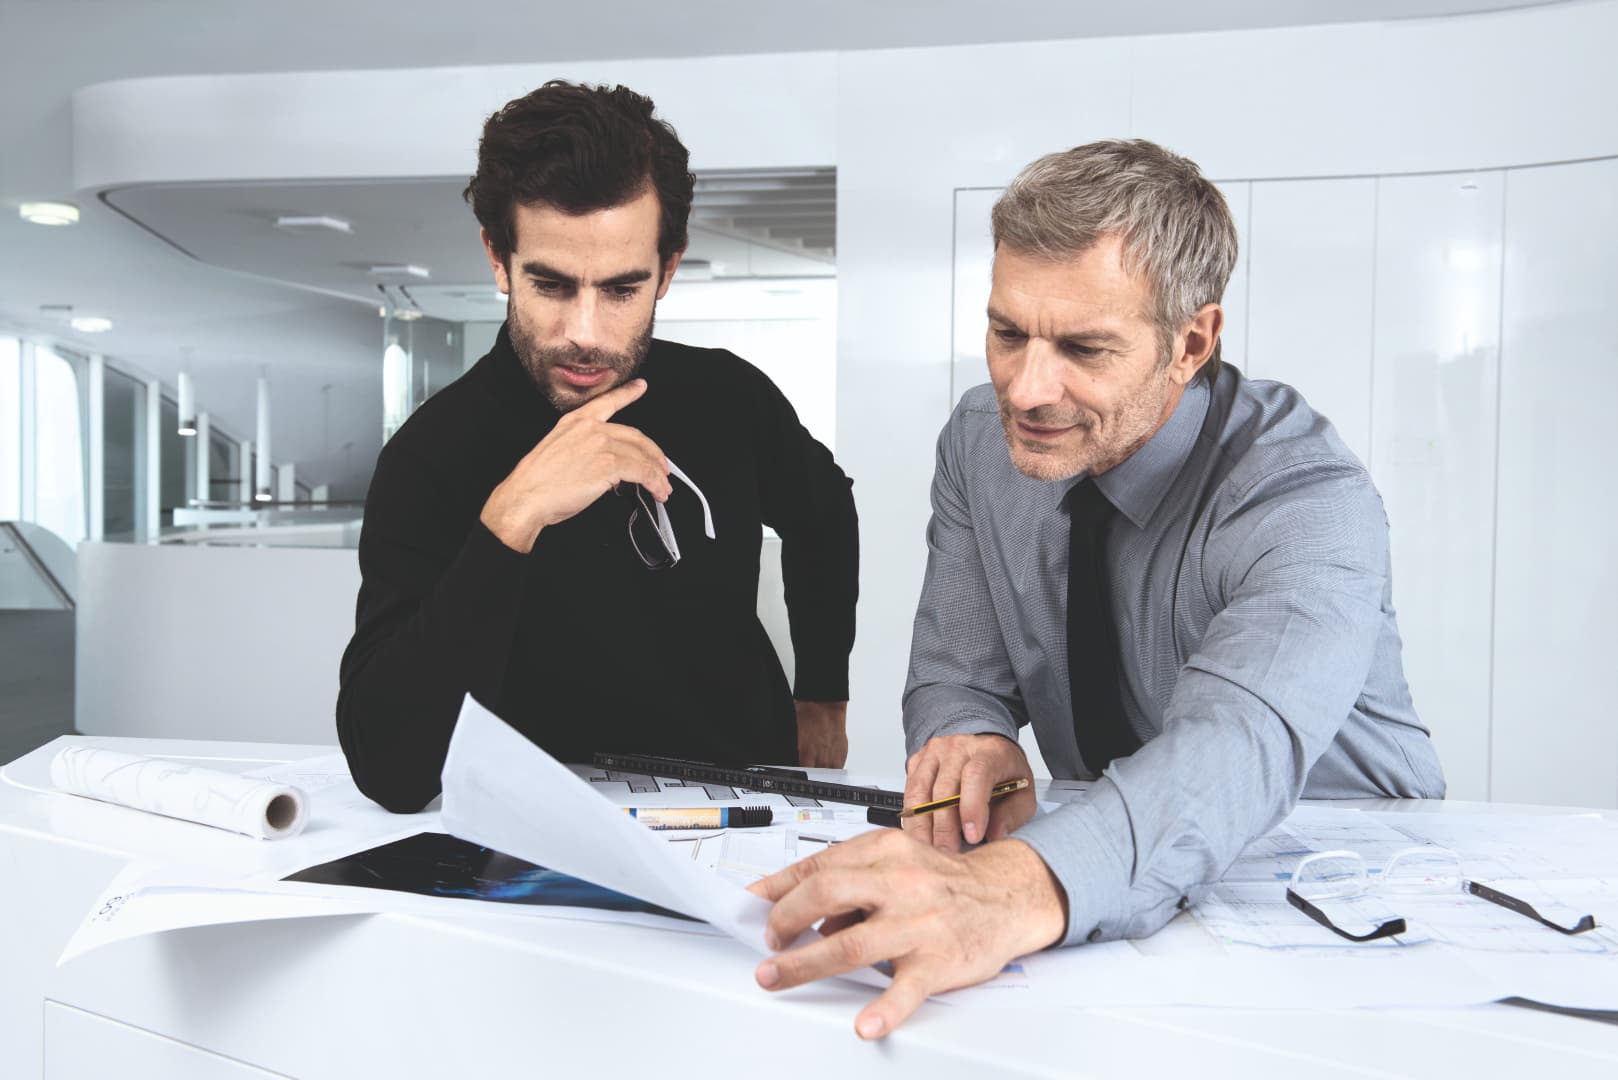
[[969, 765], [944, 919], [582, 458], [822, 734]]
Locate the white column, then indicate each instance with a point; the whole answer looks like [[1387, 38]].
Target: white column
[[244, 472], [154, 461], [27, 431], [286, 486], [261, 481], [96, 447], [204, 456]]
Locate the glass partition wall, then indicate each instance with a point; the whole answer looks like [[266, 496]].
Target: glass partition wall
[[123, 439]]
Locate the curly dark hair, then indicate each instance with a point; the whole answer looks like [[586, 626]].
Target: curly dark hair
[[580, 149]]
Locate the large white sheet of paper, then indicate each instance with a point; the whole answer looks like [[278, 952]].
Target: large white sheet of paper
[[502, 791], [147, 898]]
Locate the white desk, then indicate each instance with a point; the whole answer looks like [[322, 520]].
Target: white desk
[[411, 995]]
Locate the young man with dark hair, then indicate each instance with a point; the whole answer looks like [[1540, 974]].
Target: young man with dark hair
[[571, 531]]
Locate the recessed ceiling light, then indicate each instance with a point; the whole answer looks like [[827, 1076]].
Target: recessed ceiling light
[[49, 213], [312, 223], [407, 314], [90, 324], [401, 270]]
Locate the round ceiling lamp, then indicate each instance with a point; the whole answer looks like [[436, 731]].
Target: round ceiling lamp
[[49, 213]]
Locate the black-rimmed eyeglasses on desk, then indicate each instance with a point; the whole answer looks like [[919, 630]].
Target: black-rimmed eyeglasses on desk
[[1342, 875]]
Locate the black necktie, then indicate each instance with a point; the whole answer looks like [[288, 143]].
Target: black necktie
[[1092, 640]]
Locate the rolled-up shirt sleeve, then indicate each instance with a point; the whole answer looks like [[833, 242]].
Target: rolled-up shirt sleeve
[[1298, 569], [961, 680]]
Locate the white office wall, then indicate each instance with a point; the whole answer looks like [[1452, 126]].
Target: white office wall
[[192, 642], [1337, 106]]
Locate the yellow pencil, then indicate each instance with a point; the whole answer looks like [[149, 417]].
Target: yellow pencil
[[995, 792]]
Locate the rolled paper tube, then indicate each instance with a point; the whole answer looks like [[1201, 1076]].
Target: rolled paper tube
[[261, 808]]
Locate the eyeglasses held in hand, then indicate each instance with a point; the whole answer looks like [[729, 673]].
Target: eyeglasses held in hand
[[1342, 876], [652, 533]]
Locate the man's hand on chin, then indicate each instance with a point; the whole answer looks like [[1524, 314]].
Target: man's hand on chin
[[945, 920], [822, 734]]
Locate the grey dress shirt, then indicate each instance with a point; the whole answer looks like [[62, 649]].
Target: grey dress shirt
[[1259, 654]]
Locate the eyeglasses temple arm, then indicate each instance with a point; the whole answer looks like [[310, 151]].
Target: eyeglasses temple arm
[[707, 515], [1522, 907], [1387, 929]]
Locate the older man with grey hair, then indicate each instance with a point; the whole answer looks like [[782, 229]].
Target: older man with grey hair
[[1177, 576]]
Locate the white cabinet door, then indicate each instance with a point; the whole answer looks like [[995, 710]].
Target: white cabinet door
[[1435, 395], [1556, 584], [974, 257], [1309, 280], [1233, 340]]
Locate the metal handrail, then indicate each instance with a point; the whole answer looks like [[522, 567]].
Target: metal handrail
[[28, 552], [237, 504]]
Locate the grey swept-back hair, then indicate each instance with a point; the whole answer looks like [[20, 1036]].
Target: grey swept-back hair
[[1174, 224]]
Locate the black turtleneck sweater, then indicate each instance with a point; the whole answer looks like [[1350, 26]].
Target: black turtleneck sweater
[[577, 644]]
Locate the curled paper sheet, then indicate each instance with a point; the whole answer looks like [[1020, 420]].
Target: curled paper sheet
[[260, 808]]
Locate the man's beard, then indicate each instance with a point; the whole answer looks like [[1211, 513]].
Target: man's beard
[[1104, 441], [541, 362]]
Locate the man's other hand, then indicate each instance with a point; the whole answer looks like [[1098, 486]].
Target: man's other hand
[[822, 734], [969, 765], [582, 458], [945, 920]]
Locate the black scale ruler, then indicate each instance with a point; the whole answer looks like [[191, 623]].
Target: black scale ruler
[[881, 807]]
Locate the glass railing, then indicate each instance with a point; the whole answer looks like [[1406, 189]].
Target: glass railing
[[266, 524]]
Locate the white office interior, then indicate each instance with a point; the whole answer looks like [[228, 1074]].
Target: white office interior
[[271, 249]]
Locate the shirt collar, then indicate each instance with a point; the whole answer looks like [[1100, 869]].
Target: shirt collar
[[1137, 485]]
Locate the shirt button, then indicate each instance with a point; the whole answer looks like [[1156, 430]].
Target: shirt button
[[1094, 935]]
